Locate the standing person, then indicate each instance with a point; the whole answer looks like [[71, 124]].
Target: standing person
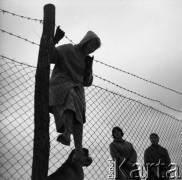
[[72, 71], [123, 151], [156, 156]]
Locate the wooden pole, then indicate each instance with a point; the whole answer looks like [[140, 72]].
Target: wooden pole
[[41, 99]]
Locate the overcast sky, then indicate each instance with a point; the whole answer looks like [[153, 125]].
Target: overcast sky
[[142, 37]]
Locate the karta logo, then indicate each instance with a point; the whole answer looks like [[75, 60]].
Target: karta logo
[[121, 167]]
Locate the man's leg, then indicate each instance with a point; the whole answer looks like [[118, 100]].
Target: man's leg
[[77, 135], [68, 123]]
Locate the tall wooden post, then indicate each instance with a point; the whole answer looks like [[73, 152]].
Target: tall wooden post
[[41, 107]]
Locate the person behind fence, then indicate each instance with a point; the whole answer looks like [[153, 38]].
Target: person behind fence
[[156, 160], [123, 153], [72, 72]]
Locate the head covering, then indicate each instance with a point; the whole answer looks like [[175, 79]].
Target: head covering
[[118, 128], [88, 37]]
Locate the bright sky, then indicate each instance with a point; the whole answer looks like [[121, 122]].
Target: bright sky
[[142, 37]]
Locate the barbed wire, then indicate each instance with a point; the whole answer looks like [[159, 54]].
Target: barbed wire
[[138, 77], [69, 39], [10, 120], [145, 97], [15, 61], [18, 37], [24, 17], [105, 110], [118, 69], [116, 93], [29, 18]]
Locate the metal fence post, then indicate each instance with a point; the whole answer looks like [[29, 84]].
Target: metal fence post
[[41, 99]]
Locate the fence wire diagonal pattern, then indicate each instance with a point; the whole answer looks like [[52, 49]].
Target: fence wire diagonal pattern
[[105, 109]]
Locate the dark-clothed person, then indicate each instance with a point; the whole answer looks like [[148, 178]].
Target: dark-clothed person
[[72, 72], [156, 156], [123, 151]]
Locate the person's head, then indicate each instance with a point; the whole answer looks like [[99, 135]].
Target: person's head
[[117, 132], [90, 43], [91, 46], [154, 139]]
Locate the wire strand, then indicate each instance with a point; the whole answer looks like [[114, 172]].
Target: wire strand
[[145, 97], [24, 17], [137, 102], [2, 56], [138, 77], [18, 37], [123, 71]]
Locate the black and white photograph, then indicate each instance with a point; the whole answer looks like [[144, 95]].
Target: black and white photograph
[[90, 90]]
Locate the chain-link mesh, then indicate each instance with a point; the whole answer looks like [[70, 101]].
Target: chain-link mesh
[[105, 110]]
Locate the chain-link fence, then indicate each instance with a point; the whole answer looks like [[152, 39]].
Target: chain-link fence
[[105, 110]]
